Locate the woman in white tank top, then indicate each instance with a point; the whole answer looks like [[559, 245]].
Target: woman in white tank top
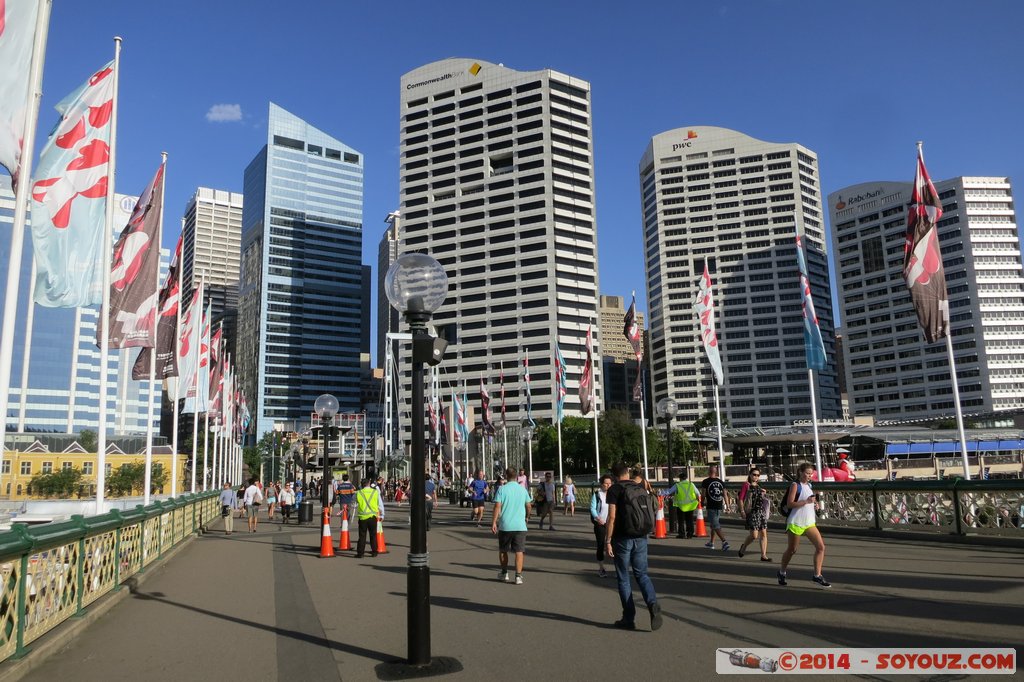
[[802, 502]]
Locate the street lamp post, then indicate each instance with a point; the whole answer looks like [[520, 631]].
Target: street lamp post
[[326, 406], [416, 286], [306, 506], [667, 409]]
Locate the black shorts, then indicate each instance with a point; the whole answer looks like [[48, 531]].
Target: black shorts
[[478, 503], [512, 541]]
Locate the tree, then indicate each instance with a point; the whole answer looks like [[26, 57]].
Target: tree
[[61, 483], [131, 478], [87, 439]]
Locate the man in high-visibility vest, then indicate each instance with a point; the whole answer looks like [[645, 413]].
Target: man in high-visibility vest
[[369, 510], [685, 500]]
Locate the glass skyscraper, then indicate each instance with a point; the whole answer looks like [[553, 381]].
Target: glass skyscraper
[[62, 391], [301, 289]]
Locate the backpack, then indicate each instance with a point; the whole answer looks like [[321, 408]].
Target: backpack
[[783, 509], [638, 511]]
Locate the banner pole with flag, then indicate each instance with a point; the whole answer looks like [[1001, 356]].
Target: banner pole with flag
[[926, 278], [202, 381], [194, 338], [704, 307], [108, 236], [156, 321], [21, 160], [631, 330], [560, 391], [814, 345]]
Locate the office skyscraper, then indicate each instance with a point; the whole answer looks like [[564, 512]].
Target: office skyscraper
[[388, 319], [301, 309], [497, 183], [212, 234], [62, 393], [718, 195], [891, 372]]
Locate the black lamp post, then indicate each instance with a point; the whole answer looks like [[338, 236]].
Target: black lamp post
[[667, 409], [416, 286]]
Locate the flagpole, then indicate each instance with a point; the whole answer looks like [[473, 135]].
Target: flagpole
[[156, 324], [718, 417], [21, 196], [104, 321], [26, 356], [814, 422], [593, 393], [76, 336], [560, 450], [122, 379], [177, 394], [195, 379], [643, 430]]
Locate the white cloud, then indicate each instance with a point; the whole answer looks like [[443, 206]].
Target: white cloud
[[224, 113]]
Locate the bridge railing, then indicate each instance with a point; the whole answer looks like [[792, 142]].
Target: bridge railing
[[51, 572], [948, 506]]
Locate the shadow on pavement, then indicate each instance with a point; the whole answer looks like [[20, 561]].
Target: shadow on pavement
[[310, 639]]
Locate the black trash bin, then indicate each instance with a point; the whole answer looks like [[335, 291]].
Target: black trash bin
[[306, 511], [453, 497]]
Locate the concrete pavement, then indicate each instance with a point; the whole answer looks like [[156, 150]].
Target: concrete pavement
[[264, 606]]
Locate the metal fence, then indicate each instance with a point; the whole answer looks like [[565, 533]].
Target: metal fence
[[994, 508], [53, 571], [957, 506]]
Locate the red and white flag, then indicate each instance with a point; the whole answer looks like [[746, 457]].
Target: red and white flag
[[587, 380], [135, 269], [166, 328], [17, 36], [69, 197], [631, 330], [922, 258], [704, 306], [189, 339]]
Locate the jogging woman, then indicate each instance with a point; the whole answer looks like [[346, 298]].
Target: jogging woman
[[801, 502]]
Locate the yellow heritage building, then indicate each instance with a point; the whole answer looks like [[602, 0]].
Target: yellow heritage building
[[20, 466]]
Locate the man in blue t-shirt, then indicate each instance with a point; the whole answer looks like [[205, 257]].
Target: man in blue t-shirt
[[478, 495], [430, 488], [511, 512]]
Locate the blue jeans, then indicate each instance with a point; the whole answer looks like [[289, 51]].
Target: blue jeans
[[631, 553]]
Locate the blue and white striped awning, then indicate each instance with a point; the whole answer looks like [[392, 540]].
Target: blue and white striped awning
[[945, 447]]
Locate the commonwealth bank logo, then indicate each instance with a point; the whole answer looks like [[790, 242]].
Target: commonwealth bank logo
[[475, 69]]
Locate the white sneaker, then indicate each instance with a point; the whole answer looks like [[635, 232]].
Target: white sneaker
[[519, 579], [503, 576]]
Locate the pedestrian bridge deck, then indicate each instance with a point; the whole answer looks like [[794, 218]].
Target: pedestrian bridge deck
[[264, 606]]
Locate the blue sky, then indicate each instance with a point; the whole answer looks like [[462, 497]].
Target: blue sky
[[857, 82]]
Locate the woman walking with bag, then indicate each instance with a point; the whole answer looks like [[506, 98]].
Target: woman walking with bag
[[756, 506], [800, 502]]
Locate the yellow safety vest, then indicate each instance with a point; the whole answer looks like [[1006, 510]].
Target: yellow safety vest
[[686, 497], [369, 503]]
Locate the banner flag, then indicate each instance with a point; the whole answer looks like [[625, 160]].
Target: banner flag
[[704, 306], [69, 197], [166, 328], [814, 346], [631, 329], [135, 272], [17, 38], [587, 380], [560, 388], [485, 408], [922, 257]]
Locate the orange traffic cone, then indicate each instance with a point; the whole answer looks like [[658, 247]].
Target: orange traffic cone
[[660, 531], [344, 541], [326, 541], [382, 547], [702, 532]]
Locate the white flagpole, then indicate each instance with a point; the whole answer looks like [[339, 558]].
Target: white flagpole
[[206, 444], [108, 235], [76, 337], [559, 450], [643, 427], [26, 356], [21, 195], [195, 355], [122, 391], [153, 384], [593, 396], [177, 392], [814, 422], [718, 417]]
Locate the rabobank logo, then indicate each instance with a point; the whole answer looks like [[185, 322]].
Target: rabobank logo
[[691, 135]]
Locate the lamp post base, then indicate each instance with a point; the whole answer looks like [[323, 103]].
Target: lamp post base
[[402, 670]]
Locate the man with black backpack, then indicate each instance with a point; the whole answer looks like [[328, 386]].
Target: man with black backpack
[[630, 520]]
